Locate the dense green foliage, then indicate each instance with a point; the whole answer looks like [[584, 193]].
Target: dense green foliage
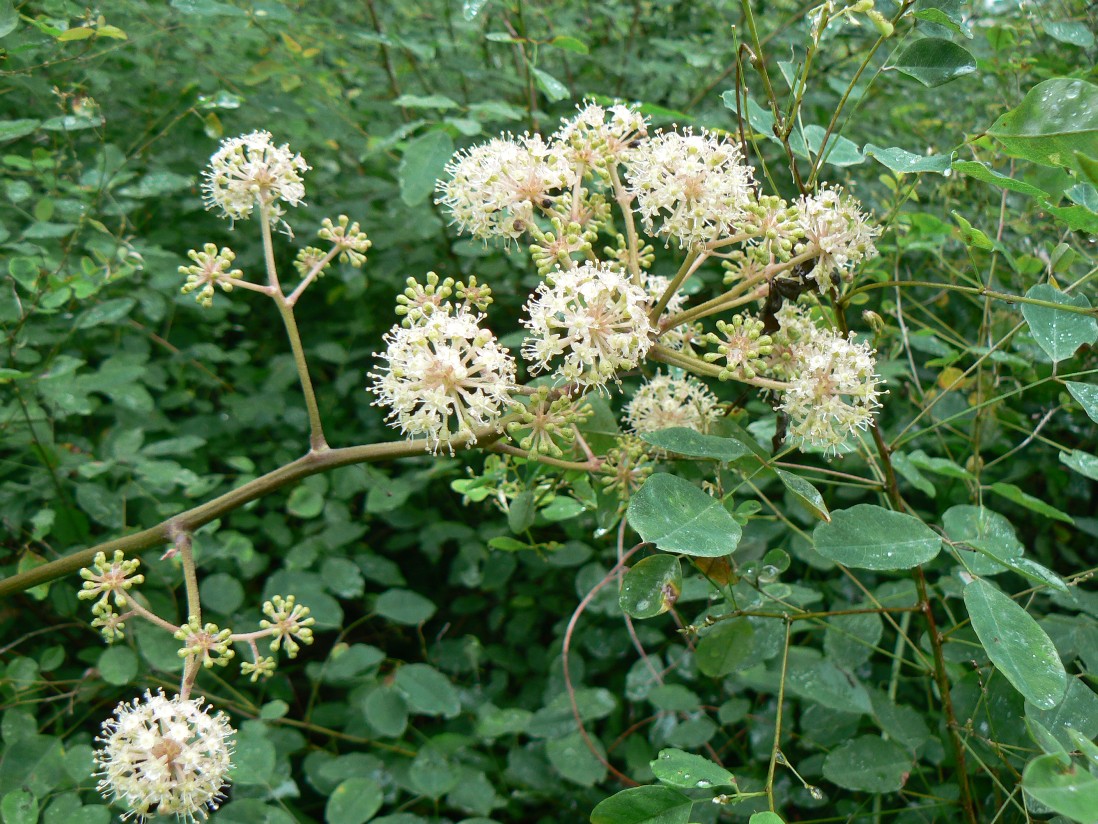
[[913, 617]]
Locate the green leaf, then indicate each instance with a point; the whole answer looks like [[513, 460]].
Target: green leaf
[[1074, 34], [354, 801], [808, 496], [1016, 645], [690, 772], [841, 151], [1070, 791], [1013, 493], [727, 647], [676, 516], [571, 44], [208, 8], [651, 587], [305, 502], [683, 441], [1082, 462], [871, 537], [766, 817], [944, 13], [1077, 713], [869, 764], [934, 61], [644, 805], [427, 690], [423, 162], [386, 712], [117, 665], [1055, 119], [905, 162], [814, 678], [1087, 396], [984, 173], [522, 512], [12, 129], [553, 88], [19, 807], [431, 101], [471, 8], [9, 18], [573, 759], [107, 313], [403, 606], [254, 759], [1057, 332]]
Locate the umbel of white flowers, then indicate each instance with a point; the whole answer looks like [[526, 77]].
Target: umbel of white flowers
[[165, 756]]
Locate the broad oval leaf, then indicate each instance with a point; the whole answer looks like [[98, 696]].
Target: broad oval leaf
[[676, 516], [684, 441], [869, 764], [934, 61], [354, 801], [726, 648], [901, 160], [427, 690], [808, 496], [651, 587], [1087, 396], [871, 537], [1058, 332], [644, 805], [1016, 645], [984, 173], [1055, 119], [1070, 791], [423, 162], [688, 771]]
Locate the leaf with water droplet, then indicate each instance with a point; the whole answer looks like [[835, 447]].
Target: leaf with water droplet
[[1056, 119], [869, 764], [1016, 645], [651, 586], [934, 61], [871, 537], [725, 648], [1070, 791], [688, 771], [676, 516], [1057, 332], [644, 805]]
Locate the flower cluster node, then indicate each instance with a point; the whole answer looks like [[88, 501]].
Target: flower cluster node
[[104, 578], [210, 268], [598, 138], [290, 623], [545, 421], [627, 466], [110, 624], [498, 188], [261, 668], [833, 388], [694, 186], [444, 376], [554, 249], [421, 300], [619, 253], [837, 232], [348, 238], [309, 258], [250, 171], [474, 294], [165, 756], [207, 642], [592, 317], [743, 347], [668, 401]]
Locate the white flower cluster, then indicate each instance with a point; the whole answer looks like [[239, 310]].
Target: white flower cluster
[[495, 190], [592, 141], [591, 316], [250, 171], [444, 376], [833, 387], [836, 229], [165, 756], [666, 401], [695, 185]]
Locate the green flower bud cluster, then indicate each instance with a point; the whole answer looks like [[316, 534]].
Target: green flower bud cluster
[[208, 642], [555, 248], [348, 238], [545, 422], [290, 623], [619, 253], [743, 347], [107, 578], [210, 268], [420, 301]]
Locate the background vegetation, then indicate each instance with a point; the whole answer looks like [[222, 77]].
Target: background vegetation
[[445, 588]]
